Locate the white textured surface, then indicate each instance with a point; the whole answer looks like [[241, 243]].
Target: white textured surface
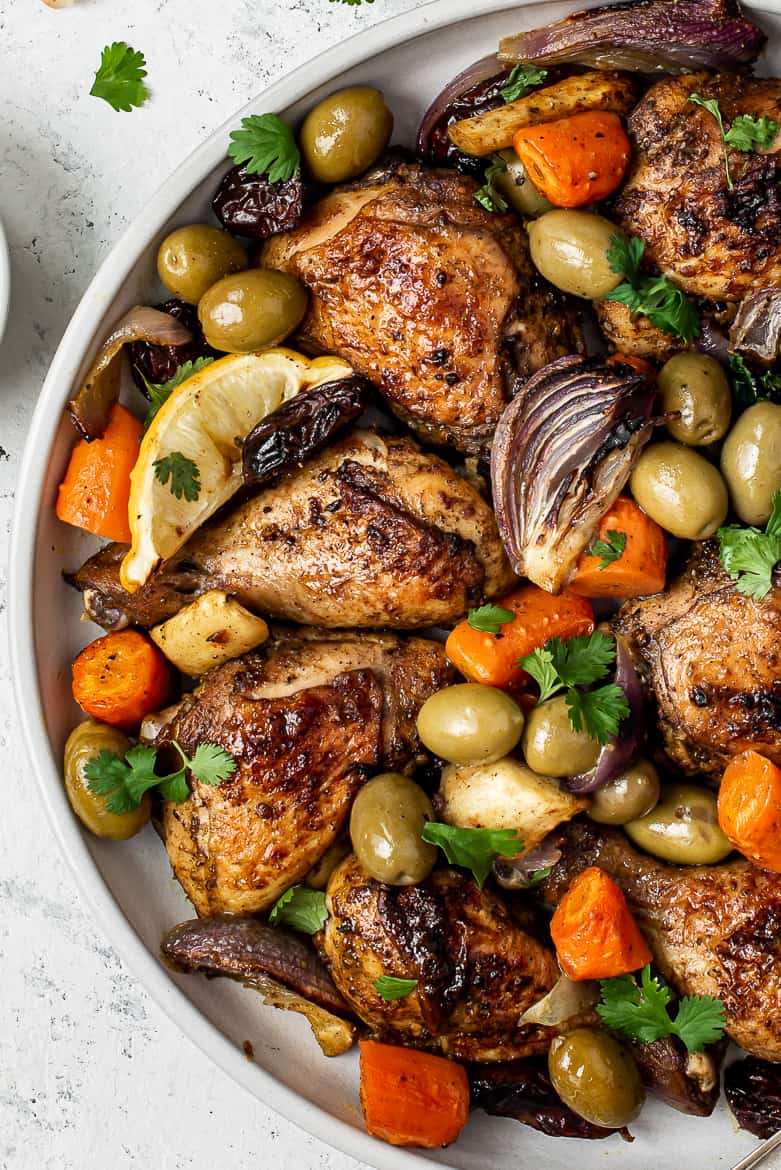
[[91, 1073]]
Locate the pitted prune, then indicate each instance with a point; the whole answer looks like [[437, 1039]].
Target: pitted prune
[[250, 205], [158, 363], [753, 1089]]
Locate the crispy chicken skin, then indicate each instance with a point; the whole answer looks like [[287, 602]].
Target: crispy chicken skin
[[373, 532], [711, 659], [713, 930], [308, 719], [711, 241], [427, 294], [477, 970]]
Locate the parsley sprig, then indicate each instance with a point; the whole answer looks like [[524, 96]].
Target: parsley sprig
[[489, 619], [474, 849], [389, 988], [265, 145], [124, 780], [160, 392], [609, 550], [119, 79], [300, 908], [581, 662], [488, 196], [640, 1011], [750, 556], [746, 133], [655, 297], [750, 386], [181, 474], [521, 80]]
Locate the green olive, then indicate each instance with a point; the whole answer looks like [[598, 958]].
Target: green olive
[[345, 133], [551, 744], [682, 828], [680, 490], [84, 743], [193, 258], [570, 250], [629, 795], [387, 818], [251, 310], [695, 386], [596, 1077], [751, 462], [470, 724], [518, 189]]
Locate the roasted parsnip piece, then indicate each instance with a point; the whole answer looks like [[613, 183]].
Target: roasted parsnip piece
[[208, 632]]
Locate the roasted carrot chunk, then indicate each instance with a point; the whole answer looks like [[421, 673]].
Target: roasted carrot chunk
[[576, 160], [750, 808], [594, 932], [120, 678], [539, 616], [641, 563], [95, 492], [638, 364], [412, 1098]]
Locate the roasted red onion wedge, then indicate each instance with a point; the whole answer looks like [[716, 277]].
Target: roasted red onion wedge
[[756, 330], [473, 91], [563, 450], [646, 36], [618, 754], [90, 408]]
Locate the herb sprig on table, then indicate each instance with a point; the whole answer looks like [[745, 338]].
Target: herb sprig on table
[[119, 79]]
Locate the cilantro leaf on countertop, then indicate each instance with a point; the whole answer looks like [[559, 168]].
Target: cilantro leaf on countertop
[[640, 1011], [750, 556], [746, 133], [123, 781], [521, 80], [609, 550], [160, 392], [265, 145], [487, 196], [489, 619], [389, 988], [119, 79], [655, 297], [183, 474], [474, 849], [300, 908]]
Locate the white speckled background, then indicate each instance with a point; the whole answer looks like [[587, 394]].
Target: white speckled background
[[92, 1075]]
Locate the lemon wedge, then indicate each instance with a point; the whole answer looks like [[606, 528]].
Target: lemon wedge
[[204, 423]]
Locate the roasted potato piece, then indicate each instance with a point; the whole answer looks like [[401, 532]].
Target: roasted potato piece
[[505, 795], [494, 129], [208, 632]]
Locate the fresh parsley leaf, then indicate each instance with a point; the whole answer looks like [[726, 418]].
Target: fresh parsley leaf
[[749, 386], [183, 473], [160, 392], [600, 713], [211, 764], [584, 659], [751, 134], [580, 662], [125, 780], [540, 875], [521, 80], [388, 987], [750, 556], [609, 550], [539, 664], [120, 77], [655, 297], [301, 909], [175, 788], [474, 849], [488, 196], [712, 106], [266, 146], [105, 774], [489, 619], [641, 1012]]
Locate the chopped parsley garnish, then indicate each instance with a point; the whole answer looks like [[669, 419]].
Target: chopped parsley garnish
[[640, 1011], [521, 80], [487, 195], [120, 77], [300, 908], [746, 133], [182, 473], [580, 662], [655, 297], [489, 619], [609, 550], [749, 386], [388, 987], [123, 781], [750, 556], [160, 392], [540, 875], [265, 145], [474, 849]]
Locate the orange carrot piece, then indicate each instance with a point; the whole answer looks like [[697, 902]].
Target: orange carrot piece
[[576, 160], [594, 932], [750, 808], [639, 570], [122, 677], [411, 1098], [95, 492], [539, 616], [638, 364]]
